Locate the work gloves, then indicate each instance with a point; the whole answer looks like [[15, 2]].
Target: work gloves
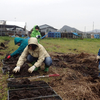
[[8, 57], [98, 57], [37, 36], [16, 69], [31, 69]]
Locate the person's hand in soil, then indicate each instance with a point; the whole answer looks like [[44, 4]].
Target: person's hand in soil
[[9, 56], [31, 69], [16, 69]]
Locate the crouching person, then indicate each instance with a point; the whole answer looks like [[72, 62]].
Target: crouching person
[[36, 54]]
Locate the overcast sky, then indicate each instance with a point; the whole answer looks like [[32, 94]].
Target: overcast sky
[[83, 15]]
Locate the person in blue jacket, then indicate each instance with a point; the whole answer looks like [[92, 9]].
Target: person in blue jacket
[[22, 43], [98, 58]]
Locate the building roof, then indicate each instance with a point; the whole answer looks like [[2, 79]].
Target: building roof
[[10, 26], [46, 26], [20, 24]]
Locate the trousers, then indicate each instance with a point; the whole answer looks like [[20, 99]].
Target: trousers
[[47, 60]]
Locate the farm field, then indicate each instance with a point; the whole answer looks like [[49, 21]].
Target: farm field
[[73, 59]]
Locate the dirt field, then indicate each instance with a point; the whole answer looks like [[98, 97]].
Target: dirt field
[[78, 75]]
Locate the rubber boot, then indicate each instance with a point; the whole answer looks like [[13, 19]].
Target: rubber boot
[[46, 69], [37, 68], [33, 62]]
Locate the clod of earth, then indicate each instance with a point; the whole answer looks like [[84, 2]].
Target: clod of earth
[[2, 45]]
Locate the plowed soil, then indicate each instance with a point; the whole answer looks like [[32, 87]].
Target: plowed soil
[[78, 76]]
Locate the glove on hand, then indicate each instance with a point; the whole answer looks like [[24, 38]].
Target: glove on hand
[[8, 57], [37, 36], [31, 69], [98, 57], [16, 69]]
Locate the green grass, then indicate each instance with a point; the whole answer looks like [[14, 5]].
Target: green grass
[[61, 45], [72, 45], [5, 38]]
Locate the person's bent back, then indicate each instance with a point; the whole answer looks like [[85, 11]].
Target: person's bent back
[[22, 43]]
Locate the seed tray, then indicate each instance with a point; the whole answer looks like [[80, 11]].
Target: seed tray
[[22, 93], [52, 97], [27, 83]]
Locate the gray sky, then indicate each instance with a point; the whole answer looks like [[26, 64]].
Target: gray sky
[[83, 15]]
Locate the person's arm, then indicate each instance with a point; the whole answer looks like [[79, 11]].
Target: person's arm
[[98, 56], [99, 52], [18, 51], [42, 54], [40, 34], [21, 60]]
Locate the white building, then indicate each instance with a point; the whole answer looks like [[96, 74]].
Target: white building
[[12, 27]]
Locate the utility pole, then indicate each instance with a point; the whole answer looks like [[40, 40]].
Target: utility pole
[[25, 28], [93, 27], [14, 27], [15, 19]]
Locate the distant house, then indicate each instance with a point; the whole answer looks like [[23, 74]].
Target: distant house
[[11, 28], [46, 28], [66, 29]]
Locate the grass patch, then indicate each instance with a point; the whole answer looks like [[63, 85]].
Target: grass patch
[[71, 45]]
